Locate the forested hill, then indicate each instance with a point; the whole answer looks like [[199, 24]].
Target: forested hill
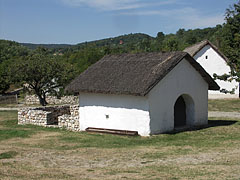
[[48, 46], [74, 59], [141, 42], [119, 40], [113, 41], [137, 42], [84, 54]]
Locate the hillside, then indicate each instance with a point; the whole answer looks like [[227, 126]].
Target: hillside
[[82, 55], [11, 49], [113, 41], [48, 46]]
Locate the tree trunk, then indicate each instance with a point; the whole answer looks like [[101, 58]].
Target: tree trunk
[[42, 101], [42, 98]]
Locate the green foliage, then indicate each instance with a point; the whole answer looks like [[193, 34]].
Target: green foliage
[[42, 73], [70, 60], [170, 43], [223, 77], [83, 58], [4, 78], [9, 50], [230, 39], [126, 39], [48, 46]]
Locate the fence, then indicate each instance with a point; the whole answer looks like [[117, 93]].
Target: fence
[[8, 99]]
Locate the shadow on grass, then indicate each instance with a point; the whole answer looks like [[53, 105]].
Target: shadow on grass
[[214, 123], [211, 123]]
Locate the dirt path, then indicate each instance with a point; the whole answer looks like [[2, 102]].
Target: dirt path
[[9, 109], [223, 114]]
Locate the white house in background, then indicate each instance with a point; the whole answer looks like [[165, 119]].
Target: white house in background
[[213, 61], [150, 93]]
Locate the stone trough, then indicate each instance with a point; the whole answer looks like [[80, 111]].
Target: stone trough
[[60, 116]]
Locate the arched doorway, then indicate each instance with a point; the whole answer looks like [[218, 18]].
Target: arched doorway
[[184, 111], [180, 113]]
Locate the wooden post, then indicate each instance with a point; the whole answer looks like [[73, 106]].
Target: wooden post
[[16, 98]]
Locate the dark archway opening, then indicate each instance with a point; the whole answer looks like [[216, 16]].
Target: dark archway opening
[[180, 113]]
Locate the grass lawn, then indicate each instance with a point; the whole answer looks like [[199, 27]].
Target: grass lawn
[[226, 105], [32, 152]]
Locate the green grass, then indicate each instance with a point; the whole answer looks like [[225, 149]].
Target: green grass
[[12, 133], [204, 138], [226, 105], [107, 156], [10, 129], [8, 155]]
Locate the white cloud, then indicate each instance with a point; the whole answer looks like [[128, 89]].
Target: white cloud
[[197, 21], [111, 5], [167, 13], [187, 17]]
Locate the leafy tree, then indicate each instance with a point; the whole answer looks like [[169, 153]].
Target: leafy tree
[[9, 50], [170, 43], [4, 78], [180, 33], [191, 37], [230, 42], [42, 73], [160, 36]]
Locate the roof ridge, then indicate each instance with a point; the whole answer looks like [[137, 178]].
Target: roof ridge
[[194, 49], [198, 43], [155, 68], [120, 77]]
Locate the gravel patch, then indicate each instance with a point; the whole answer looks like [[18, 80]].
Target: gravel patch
[[223, 114], [9, 109]]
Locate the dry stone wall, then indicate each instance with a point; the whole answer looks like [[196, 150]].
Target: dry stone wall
[[30, 116], [32, 99], [60, 116], [70, 122]]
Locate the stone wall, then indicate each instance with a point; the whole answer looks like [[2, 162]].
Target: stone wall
[[30, 116], [42, 115], [61, 116], [70, 122], [32, 99]]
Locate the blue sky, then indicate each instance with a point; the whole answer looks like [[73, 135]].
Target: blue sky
[[74, 21]]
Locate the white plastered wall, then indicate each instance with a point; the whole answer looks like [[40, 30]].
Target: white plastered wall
[[121, 112], [182, 80], [215, 64]]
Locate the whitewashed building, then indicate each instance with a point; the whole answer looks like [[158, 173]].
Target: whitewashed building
[[150, 93], [213, 61]]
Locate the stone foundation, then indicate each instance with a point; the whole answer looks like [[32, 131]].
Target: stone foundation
[[61, 116], [32, 99]]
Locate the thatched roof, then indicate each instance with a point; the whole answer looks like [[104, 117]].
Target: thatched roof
[[134, 74], [194, 49]]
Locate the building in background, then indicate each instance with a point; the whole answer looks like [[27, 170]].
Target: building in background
[[214, 62]]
